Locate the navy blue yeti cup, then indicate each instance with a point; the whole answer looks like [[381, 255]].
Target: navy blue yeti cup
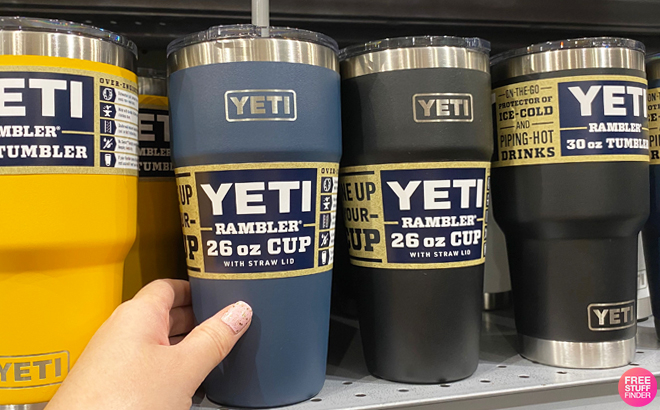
[[256, 136]]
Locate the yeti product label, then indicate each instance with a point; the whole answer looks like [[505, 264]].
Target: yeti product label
[[258, 221], [20, 372], [416, 215], [590, 118], [154, 136], [59, 115], [653, 100]]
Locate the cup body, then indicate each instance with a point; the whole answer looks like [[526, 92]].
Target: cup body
[[570, 191], [651, 232], [71, 220], [158, 249], [256, 146], [414, 187], [644, 309], [497, 281]]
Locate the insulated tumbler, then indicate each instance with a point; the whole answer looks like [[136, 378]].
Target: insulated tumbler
[[570, 191], [651, 231], [644, 310], [68, 169], [497, 282], [414, 186], [158, 249], [256, 142]]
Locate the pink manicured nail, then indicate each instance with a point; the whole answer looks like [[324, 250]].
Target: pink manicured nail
[[238, 316]]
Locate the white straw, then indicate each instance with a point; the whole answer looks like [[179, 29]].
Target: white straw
[[260, 15]]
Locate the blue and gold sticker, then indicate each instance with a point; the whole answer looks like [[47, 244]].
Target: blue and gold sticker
[[60, 115], [653, 101], [589, 118], [258, 220], [416, 215], [154, 124]]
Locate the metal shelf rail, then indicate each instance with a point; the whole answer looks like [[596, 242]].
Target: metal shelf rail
[[502, 380]]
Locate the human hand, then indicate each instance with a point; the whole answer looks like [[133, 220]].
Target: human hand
[[139, 358]]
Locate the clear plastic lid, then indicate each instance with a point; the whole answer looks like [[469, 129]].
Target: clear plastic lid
[[472, 43], [65, 27], [152, 73], [586, 42], [248, 31], [653, 57]]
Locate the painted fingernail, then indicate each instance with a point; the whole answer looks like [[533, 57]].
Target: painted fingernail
[[238, 316]]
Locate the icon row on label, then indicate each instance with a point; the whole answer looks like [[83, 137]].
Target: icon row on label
[[118, 160], [119, 144], [326, 257], [326, 239], [328, 203], [119, 128], [114, 95], [329, 185], [119, 112], [328, 221]]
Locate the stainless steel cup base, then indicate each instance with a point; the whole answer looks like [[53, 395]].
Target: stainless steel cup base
[[497, 300], [576, 355], [31, 406]]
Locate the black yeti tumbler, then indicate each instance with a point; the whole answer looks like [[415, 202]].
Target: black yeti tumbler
[[414, 185], [571, 193]]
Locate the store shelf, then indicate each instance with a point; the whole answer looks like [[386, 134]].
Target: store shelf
[[506, 23], [502, 380]]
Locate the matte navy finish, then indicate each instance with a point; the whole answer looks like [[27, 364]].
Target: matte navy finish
[[281, 359], [651, 234], [201, 134]]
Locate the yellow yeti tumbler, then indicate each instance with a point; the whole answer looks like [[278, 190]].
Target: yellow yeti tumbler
[[158, 249], [68, 171]]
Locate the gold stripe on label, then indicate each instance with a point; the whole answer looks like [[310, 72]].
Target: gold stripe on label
[[259, 275], [77, 132], [415, 165], [528, 132], [256, 165], [370, 213], [443, 265], [189, 205], [67, 170], [653, 98]]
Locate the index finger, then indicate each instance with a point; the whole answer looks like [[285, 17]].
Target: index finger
[[170, 293]]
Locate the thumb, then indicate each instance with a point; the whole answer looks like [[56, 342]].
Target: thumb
[[212, 340]]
